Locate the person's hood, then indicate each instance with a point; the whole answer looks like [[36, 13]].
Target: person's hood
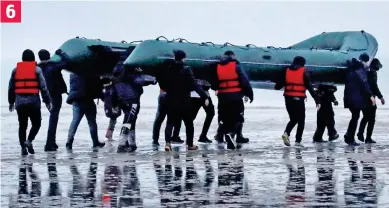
[[43, 63], [226, 60]]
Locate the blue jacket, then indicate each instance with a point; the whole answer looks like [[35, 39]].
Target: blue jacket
[[84, 88], [357, 91], [52, 72]]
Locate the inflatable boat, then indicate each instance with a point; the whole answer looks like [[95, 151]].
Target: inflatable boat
[[326, 55]]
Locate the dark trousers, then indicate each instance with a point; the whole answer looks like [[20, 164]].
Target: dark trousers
[[33, 113], [325, 119], [296, 110], [370, 123], [178, 111], [231, 114], [131, 111], [53, 121], [196, 104], [160, 117], [352, 126], [81, 108]]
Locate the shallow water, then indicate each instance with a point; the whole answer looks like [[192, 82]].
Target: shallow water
[[263, 173]]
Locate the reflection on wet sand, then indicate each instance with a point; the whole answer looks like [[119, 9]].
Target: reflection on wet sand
[[361, 189], [54, 193], [131, 187], [295, 188]]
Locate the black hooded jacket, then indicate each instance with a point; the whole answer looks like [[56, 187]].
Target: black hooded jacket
[[178, 81], [244, 82], [281, 82]]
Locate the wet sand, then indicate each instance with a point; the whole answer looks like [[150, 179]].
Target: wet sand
[[263, 173]]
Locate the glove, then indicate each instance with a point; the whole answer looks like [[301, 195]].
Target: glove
[[382, 101], [59, 52], [336, 103], [11, 107], [49, 106]]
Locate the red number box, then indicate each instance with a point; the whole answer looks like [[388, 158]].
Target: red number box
[[10, 11]]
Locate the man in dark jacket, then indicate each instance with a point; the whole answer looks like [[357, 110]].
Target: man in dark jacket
[[56, 86], [232, 84], [26, 82], [178, 82], [357, 95], [296, 81], [372, 79], [83, 90]]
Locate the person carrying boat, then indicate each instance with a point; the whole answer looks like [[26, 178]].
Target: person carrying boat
[[296, 81], [26, 82], [372, 79], [84, 88], [178, 81], [56, 86], [325, 115], [232, 85], [128, 84], [358, 95], [111, 107]]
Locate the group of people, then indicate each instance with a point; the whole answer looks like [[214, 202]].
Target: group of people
[[183, 92]]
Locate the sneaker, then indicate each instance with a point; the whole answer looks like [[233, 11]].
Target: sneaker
[[333, 138], [24, 151], [50, 148], [298, 144], [319, 140], [29, 146], [132, 148], [354, 143], [204, 139], [361, 137], [155, 142], [122, 149], [219, 138], [69, 146], [177, 140], [241, 139], [99, 144], [194, 147], [168, 147], [370, 141], [231, 144], [285, 138]]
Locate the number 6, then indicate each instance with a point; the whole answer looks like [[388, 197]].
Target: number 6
[[10, 11]]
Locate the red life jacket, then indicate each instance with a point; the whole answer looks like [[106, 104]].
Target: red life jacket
[[26, 79], [228, 78], [294, 83]]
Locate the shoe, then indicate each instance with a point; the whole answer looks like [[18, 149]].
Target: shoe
[[177, 140], [50, 148], [69, 146], [285, 138], [333, 138], [99, 144], [361, 137], [204, 139], [231, 144], [155, 142], [298, 144], [319, 140], [55, 146], [122, 149], [168, 147], [24, 151], [29, 146], [194, 147], [242, 140], [132, 148], [354, 143], [370, 141], [219, 138]]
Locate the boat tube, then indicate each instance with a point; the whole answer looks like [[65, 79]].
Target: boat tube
[[326, 56]]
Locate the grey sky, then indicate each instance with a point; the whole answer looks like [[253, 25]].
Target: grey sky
[[49, 24]]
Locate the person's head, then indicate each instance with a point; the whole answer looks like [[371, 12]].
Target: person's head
[[375, 64], [179, 55], [28, 55], [298, 61], [44, 55], [229, 54], [364, 57]]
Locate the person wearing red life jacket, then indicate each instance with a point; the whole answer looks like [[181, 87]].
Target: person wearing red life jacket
[[232, 85], [26, 82], [296, 81]]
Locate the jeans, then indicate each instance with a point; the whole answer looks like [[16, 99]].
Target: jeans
[[81, 108], [33, 113], [370, 123], [53, 121], [196, 104], [296, 110], [352, 126], [160, 116]]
